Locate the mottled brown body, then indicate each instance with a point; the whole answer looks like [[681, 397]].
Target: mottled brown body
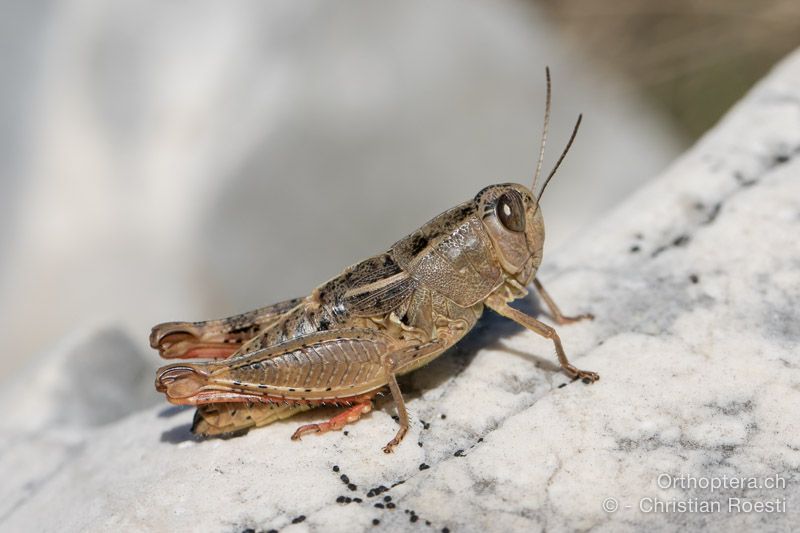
[[383, 317]]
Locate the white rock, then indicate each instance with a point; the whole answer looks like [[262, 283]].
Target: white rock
[[91, 378], [695, 283]]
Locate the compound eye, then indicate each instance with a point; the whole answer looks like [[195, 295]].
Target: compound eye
[[511, 211]]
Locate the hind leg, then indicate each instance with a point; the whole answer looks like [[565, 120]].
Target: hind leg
[[215, 339], [348, 416], [232, 418]]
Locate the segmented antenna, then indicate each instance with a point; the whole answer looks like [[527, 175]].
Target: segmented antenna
[[561, 158], [544, 130]]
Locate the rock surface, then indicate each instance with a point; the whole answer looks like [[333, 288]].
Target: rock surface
[[695, 282]]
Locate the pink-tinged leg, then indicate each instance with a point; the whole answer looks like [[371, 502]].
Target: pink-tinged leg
[[180, 341], [348, 416], [216, 339]]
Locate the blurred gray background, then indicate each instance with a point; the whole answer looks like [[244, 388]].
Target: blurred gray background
[[194, 159]]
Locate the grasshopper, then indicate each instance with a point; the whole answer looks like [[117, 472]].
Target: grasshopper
[[352, 336]]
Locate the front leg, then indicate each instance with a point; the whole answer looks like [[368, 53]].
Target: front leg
[[554, 310], [502, 308]]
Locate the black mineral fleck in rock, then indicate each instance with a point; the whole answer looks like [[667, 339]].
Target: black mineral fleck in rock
[[298, 519], [423, 466]]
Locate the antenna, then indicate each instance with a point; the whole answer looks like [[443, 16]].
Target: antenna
[[561, 158], [544, 130]]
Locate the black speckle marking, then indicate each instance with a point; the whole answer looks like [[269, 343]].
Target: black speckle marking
[[390, 505], [413, 518], [357, 500], [379, 505], [742, 180], [387, 498], [445, 530], [328, 389], [681, 240], [298, 519], [352, 486], [324, 324], [340, 499], [443, 416], [419, 444], [562, 385], [635, 249], [694, 278], [249, 530], [425, 425], [423, 466], [291, 390], [713, 213], [380, 490], [237, 383], [346, 433], [375, 521], [262, 386], [335, 468], [344, 479], [459, 453]]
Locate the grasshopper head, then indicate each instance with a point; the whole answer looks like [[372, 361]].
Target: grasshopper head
[[512, 218]]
